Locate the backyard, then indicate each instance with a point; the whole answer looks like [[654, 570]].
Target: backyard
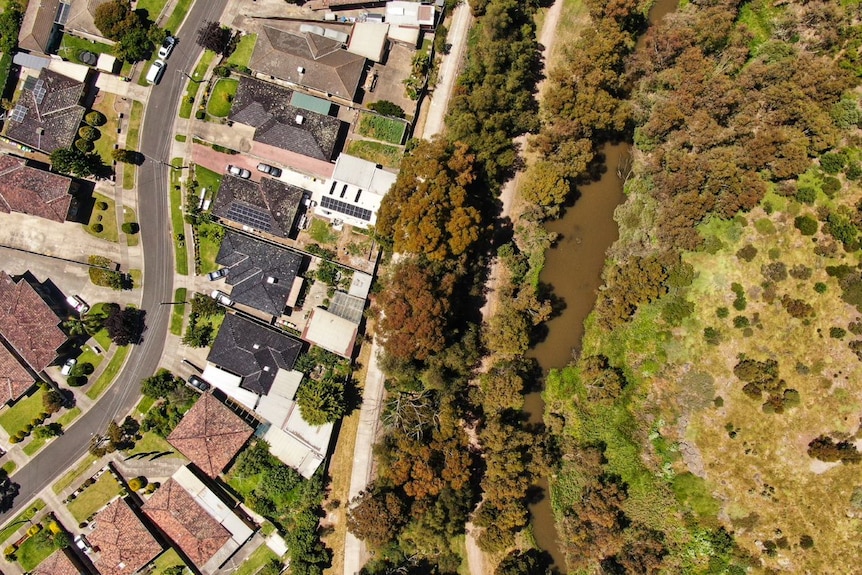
[[17, 417], [381, 128], [377, 152], [103, 218], [261, 556], [94, 497], [221, 97], [72, 46]]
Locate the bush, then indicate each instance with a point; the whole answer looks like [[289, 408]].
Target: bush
[[722, 312], [820, 287], [14, 439], [806, 225], [747, 253], [832, 163], [200, 114], [387, 108], [831, 185], [837, 332], [740, 322], [137, 483], [97, 227], [34, 529], [806, 195], [102, 205], [95, 118], [130, 228], [711, 335], [10, 551], [222, 71], [89, 133], [84, 145], [76, 380]]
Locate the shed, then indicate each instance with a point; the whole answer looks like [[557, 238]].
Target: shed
[[332, 333], [369, 40], [106, 63]]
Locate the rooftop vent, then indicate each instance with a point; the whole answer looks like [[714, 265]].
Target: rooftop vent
[[266, 368], [256, 346], [300, 69], [271, 280], [299, 119]]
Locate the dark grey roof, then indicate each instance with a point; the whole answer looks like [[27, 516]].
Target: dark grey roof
[[253, 351], [267, 108], [252, 263], [269, 206], [52, 113]]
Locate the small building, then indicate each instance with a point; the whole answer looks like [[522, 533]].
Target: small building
[[331, 332], [210, 434], [268, 206], [355, 191], [42, 26], [369, 39], [196, 521], [410, 14], [299, 444], [309, 60], [32, 191], [261, 274], [48, 112], [122, 544], [266, 107]]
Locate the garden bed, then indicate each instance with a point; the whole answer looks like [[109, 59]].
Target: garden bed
[[381, 128], [377, 152]]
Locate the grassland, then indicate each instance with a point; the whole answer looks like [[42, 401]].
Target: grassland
[[381, 128], [35, 549], [377, 152], [153, 7]]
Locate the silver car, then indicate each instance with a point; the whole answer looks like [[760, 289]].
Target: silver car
[[238, 172]]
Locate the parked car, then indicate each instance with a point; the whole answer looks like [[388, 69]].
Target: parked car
[[198, 383], [269, 170], [77, 304], [221, 297], [213, 276], [67, 367], [156, 71], [238, 172], [167, 47]]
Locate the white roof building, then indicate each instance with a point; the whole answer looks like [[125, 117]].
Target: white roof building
[[369, 40], [331, 332], [413, 14], [355, 191]]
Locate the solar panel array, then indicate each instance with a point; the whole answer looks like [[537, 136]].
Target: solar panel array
[[345, 208], [30, 82], [249, 216], [39, 91], [17, 114]]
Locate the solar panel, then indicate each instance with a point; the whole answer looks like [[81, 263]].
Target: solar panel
[[39, 91], [249, 216], [30, 82], [17, 114], [345, 208]]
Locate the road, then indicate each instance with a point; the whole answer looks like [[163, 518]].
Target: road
[[154, 216]]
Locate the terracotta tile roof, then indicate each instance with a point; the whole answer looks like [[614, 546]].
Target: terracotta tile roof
[[58, 563], [32, 191], [123, 542], [210, 435], [28, 323], [51, 119], [14, 377], [186, 522]]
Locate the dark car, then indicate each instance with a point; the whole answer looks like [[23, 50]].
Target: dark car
[[198, 383], [269, 170], [167, 47], [213, 276]]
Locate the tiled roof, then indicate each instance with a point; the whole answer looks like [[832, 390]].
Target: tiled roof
[[14, 377], [58, 563], [254, 352], [210, 434], [267, 108], [28, 323], [326, 66], [37, 26], [32, 191], [186, 522], [123, 543], [252, 263], [51, 123], [272, 203]]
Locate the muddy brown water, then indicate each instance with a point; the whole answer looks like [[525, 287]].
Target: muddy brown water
[[573, 268]]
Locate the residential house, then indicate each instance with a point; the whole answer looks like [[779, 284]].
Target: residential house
[[42, 26], [58, 563], [32, 191], [15, 379], [122, 544], [268, 206], [356, 190]]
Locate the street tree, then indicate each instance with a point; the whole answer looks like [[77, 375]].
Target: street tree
[[159, 385], [125, 326], [213, 36]]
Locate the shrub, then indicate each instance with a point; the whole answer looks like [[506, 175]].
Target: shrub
[[10, 551], [130, 228], [806, 195], [747, 253], [102, 205], [222, 71], [34, 529], [76, 380], [806, 225], [84, 145], [830, 186], [97, 227], [89, 133], [820, 287], [832, 163], [14, 439], [722, 312], [775, 271], [711, 336], [741, 321], [796, 307], [54, 527], [387, 108], [82, 524], [200, 114], [137, 483], [837, 332], [95, 118], [801, 272]]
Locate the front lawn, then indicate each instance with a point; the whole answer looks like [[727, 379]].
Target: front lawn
[[209, 245], [35, 550], [90, 356], [207, 180], [13, 526], [129, 217], [16, 418], [107, 140], [145, 404], [242, 55], [132, 137], [177, 16], [151, 443], [177, 223], [94, 497], [107, 218], [111, 371], [381, 128], [221, 97], [153, 7], [377, 152]]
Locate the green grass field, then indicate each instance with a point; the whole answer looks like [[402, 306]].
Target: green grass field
[[221, 97], [166, 560], [242, 55], [9, 467], [377, 152], [153, 7], [208, 248], [94, 497], [261, 556], [151, 443], [186, 107], [322, 232], [107, 378], [177, 16], [177, 224], [70, 477], [207, 179], [35, 550], [132, 138], [106, 217], [72, 46], [129, 217], [15, 418], [178, 312], [381, 128]]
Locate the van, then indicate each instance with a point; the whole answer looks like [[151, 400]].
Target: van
[[77, 304], [154, 74]]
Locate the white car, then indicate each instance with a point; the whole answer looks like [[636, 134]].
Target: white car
[[167, 47], [67, 367], [221, 297], [77, 304], [156, 71], [238, 172]]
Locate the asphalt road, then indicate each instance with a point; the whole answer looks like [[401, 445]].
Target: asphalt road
[[154, 216]]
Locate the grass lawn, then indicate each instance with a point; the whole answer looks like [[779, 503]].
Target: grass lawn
[[15, 524], [106, 217], [207, 179], [153, 7], [107, 377], [177, 16], [130, 218], [180, 137], [35, 550], [177, 224], [9, 467], [221, 97], [377, 152], [145, 404], [208, 248], [242, 55], [105, 143], [19, 415], [166, 560], [261, 556], [322, 232], [38, 443], [132, 138], [73, 475], [381, 128], [186, 107], [151, 443], [72, 46], [35, 445], [94, 497], [178, 313]]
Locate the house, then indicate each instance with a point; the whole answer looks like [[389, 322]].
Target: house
[[58, 563], [14, 377], [355, 191], [42, 26], [262, 274], [266, 108], [410, 14], [210, 434], [310, 60], [120, 540], [47, 114], [32, 191], [331, 332], [28, 324], [81, 20], [196, 521], [267, 206]]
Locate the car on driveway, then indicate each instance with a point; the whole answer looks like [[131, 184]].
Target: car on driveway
[[238, 172], [167, 47], [198, 383], [269, 170], [221, 297], [77, 304], [67, 367], [218, 274]]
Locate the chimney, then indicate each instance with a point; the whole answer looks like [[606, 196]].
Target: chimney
[[299, 119]]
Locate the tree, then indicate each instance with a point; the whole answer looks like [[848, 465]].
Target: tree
[[125, 326], [213, 36], [75, 162], [124, 155], [529, 562], [320, 401], [387, 108], [53, 429], [205, 306], [95, 118], [159, 385], [115, 19], [134, 46], [10, 25], [376, 516], [52, 400], [89, 133], [546, 185]]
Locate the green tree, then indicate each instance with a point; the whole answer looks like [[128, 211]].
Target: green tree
[[95, 118], [10, 25], [159, 385], [115, 19], [125, 326], [134, 46], [205, 306], [52, 400], [75, 162], [387, 108], [546, 184], [321, 401], [124, 155]]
